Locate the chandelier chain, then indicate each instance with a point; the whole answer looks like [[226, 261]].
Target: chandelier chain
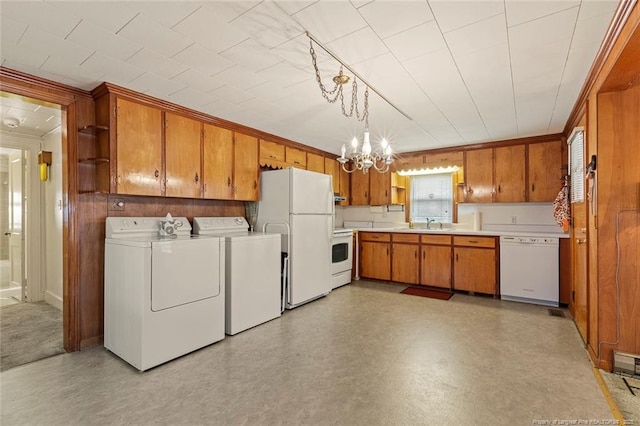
[[337, 93]]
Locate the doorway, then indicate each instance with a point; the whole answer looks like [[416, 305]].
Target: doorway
[[31, 296]]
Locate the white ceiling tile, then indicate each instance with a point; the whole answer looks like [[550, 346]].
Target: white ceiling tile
[[356, 47], [50, 19], [474, 133], [39, 41], [417, 41], [110, 15], [240, 77], [111, 69], [152, 35], [198, 81], [360, 3], [404, 16], [251, 56], [103, 41], [457, 14], [161, 65], [63, 67], [478, 36], [22, 55], [268, 25], [527, 63], [223, 109], [155, 85], [271, 91], [38, 72], [230, 94], [544, 31], [293, 6], [167, 13], [519, 12], [204, 60], [231, 10], [296, 52], [597, 8], [283, 74], [210, 30], [486, 69], [11, 31], [190, 98], [330, 20]]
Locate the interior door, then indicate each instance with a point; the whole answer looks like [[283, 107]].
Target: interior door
[[16, 220]]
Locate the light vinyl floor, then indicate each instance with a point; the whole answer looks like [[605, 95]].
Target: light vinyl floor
[[363, 355]]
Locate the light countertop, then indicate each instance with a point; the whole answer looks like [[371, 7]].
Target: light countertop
[[449, 231]]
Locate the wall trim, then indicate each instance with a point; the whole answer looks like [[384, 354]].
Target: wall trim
[[53, 299]]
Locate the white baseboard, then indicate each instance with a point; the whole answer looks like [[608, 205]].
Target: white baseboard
[[53, 299]]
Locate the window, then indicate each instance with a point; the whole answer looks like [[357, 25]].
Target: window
[[576, 161], [432, 197]]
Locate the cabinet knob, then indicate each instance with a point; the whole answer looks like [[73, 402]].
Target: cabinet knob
[[228, 181], [533, 187], [581, 241], [456, 257], [499, 188], [157, 173], [197, 177], [255, 184]]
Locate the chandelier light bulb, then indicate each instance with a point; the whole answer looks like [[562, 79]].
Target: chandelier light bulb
[[354, 142], [387, 151], [384, 144], [343, 151]]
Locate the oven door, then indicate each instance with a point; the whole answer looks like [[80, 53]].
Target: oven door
[[341, 250]]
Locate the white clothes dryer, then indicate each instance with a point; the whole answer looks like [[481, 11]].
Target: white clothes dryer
[[163, 289], [252, 271]]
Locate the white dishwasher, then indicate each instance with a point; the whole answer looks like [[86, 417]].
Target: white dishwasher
[[530, 270]]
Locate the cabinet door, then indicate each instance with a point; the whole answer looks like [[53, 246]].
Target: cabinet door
[[545, 171], [331, 167], [474, 269], [271, 151], [509, 166], [182, 143], [296, 157], [436, 266], [315, 162], [379, 188], [478, 172], [217, 170], [359, 188], [405, 263], [345, 186], [139, 149], [246, 168], [374, 260]]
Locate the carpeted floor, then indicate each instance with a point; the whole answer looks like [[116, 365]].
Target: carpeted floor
[[29, 332], [627, 402]]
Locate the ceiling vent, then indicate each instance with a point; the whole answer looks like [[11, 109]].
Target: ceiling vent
[[11, 122]]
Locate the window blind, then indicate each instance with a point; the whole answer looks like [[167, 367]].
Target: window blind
[[576, 169]]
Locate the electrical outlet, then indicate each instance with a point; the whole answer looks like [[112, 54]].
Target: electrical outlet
[[514, 220], [117, 204]]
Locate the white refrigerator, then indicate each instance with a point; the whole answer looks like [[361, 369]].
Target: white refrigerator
[[299, 205]]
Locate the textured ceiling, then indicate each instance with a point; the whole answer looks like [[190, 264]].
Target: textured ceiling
[[462, 71]]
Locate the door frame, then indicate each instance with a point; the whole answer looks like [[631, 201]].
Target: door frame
[[72, 102], [33, 219]]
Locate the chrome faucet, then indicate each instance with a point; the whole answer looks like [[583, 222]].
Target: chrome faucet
[[429, 222]]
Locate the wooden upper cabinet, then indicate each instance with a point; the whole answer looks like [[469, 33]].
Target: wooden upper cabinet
[[246, 168], [217, 170], [379, 188], [271, 154], [138, 149], [359, 188], [332, 168], [345, 186], [444, 159], [545, 171], [296, 157], [315, 162], [478, 171], [509, 164], [182, 156]]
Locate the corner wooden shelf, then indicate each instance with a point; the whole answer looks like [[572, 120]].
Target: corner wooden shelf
[[93, 129]]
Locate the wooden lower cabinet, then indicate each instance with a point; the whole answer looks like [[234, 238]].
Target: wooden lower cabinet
[[435, 269], [375, 252], [405, 264], [474, 269]]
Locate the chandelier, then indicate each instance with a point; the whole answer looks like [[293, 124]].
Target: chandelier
[[364, 159]]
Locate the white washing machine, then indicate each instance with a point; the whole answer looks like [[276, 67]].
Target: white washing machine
[[163, 289], [252, 271]]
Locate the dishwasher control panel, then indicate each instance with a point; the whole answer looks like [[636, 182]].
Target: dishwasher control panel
[[529, 240]]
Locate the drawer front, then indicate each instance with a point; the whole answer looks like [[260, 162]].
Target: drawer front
[[470, 241], [406, 238], [443, 240], [271, 150], [375, 236]]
